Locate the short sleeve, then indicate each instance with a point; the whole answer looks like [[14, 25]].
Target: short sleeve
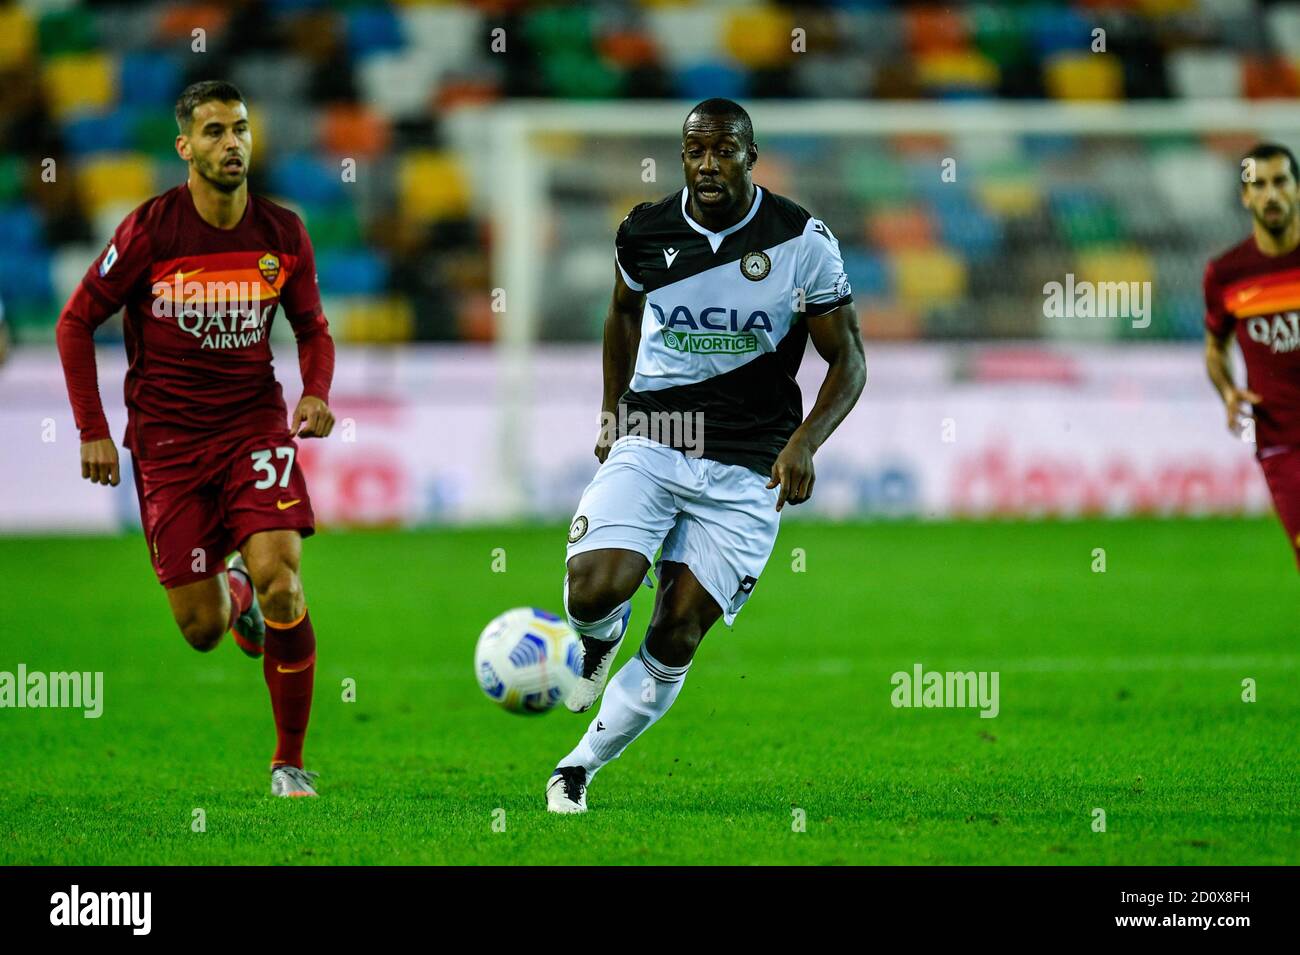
[[301, 294], [625, 256], [112, 276], [1218, 321], [821, 273]]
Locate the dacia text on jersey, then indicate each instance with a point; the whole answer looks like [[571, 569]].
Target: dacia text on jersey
[[723, 325]]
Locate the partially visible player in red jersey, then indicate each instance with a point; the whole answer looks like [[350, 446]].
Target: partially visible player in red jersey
[[1253, 289], [200, 271]]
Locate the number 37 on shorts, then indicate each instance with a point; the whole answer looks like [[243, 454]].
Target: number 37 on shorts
[[262, 464], [268, 480]]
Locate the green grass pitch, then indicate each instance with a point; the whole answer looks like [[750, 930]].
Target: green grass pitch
[[1119, 691]]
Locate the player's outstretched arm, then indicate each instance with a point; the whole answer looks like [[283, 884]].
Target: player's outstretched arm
[[75, 334], [1219, 369], [622, 339], [103, 290], [838, 339]]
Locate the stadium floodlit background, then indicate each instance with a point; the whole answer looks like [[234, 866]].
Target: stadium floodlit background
[[404, 250], [462, 168]]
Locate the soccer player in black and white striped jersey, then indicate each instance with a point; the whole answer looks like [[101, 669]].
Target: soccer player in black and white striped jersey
[[717, 290]]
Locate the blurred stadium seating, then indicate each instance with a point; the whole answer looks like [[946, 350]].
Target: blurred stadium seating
[[404, 251]]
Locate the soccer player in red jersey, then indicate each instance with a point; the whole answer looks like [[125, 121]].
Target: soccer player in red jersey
[[1253, 290], [200, 271]]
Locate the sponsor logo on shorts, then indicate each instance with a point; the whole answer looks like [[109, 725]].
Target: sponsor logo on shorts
[[755, 266], [742, 593], [578, 529], [706, 344], [285, 505]]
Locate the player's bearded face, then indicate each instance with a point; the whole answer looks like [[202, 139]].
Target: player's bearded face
[[1273, 195], [221, 144], [716, 163]]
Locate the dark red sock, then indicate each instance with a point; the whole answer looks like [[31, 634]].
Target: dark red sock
[[241, 594], [289, 667]]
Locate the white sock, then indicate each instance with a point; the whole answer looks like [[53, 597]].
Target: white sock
[[636, 696], [607, 628]]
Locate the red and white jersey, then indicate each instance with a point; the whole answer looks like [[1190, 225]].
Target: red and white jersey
[[1258, 296]]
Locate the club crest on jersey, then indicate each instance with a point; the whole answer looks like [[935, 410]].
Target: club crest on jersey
[[755, 266], [578, 529], [269, 266]]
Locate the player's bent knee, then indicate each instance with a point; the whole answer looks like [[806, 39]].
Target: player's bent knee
[[585, 600], [673, 641], [280, 595], [203, 631], [595, 588]]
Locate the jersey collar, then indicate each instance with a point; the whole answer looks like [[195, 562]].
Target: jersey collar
[[715, 238]]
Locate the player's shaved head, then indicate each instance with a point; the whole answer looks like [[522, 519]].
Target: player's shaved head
[[718, 113], [206, 91]]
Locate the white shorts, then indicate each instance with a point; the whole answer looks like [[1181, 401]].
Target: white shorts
[[720, 520]]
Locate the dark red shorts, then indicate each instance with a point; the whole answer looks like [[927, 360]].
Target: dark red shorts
[[1282, 472], [198, 508]]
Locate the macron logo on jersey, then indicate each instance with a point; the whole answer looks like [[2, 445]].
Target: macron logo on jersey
[[109, 258], [669, 256]]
